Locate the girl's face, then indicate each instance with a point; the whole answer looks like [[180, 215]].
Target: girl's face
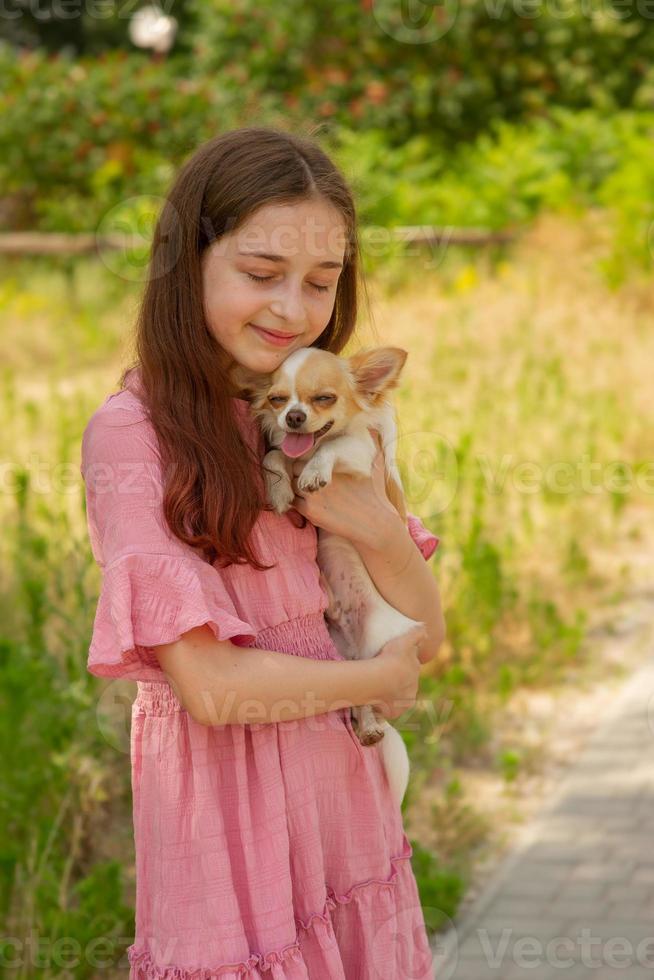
[[278, 272]]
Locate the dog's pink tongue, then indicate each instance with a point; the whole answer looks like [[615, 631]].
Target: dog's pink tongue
[[297, 443]]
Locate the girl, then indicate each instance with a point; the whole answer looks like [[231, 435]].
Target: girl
[[267, 843]]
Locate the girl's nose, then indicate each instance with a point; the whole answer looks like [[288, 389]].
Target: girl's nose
[[289, 305]]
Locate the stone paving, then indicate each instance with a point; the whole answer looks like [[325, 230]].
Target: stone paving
[[575, 899]]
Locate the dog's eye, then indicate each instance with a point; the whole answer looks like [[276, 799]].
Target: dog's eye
[[325, 398], [277, 399]]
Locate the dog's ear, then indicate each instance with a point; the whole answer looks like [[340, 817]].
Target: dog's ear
[[246, 384], [377, 370]]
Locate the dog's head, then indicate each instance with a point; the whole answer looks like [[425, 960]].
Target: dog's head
[[315, 395]]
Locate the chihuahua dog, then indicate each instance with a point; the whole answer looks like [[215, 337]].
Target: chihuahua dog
[[318, 408]]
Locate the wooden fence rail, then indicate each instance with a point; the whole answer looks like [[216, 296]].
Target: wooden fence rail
[[51, 243]]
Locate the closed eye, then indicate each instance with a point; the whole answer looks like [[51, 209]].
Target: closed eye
[[320, 289]]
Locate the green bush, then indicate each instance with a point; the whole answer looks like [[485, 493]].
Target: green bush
[[363, 63], [507, 175], [133, 122], [628, 195], [129, 122]]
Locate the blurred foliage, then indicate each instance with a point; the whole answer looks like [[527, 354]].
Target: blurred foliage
[[120, 149], [442, 69], [77, 28], [481, 113], [128, 124], [57, 770], [628, 194]]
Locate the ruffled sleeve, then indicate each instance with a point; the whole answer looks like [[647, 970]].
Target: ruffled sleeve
[[425, 540], [154, 587]]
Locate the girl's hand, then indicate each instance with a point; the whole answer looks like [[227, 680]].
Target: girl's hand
[[399, 662], [350, 506]]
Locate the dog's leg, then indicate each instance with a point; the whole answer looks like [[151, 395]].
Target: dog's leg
[[370, 728], [279, 489], [333, 609], [364, 620], [346, 454]]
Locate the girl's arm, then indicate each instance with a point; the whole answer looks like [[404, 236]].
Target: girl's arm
[[220, 683], [403, 578]]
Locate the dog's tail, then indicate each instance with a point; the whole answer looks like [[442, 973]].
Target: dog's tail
[[396, 761]]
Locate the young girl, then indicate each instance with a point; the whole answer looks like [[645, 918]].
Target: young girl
[[267, 842]]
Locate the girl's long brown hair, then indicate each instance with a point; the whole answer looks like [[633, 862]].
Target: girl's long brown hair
[[213, 491]]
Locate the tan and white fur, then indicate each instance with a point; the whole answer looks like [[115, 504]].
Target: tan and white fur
[[318, 407]]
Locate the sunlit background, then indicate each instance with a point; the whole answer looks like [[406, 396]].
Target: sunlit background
[[501, 156]]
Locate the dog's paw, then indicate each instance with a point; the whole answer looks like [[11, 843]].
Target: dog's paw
[[370, 728], [316, 474], [370, 735]]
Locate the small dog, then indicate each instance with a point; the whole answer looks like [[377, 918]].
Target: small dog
[[318, 407]]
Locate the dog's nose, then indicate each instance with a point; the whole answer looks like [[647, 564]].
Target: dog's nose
[[295, 418]]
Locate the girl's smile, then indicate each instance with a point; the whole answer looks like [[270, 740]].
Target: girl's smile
[[278, 339]]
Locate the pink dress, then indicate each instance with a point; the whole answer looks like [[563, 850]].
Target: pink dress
[[270, 851]]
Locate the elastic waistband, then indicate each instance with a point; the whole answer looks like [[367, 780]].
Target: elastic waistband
[[156, 698], [305, 636]]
